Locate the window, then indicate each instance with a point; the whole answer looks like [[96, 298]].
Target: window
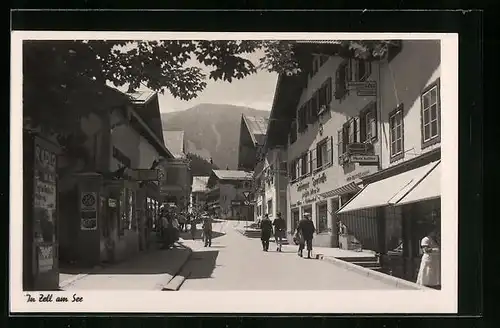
[[363, 70], [396, 133], [323, 150], [341, 76], [293, 170], [325, 95], [322, 218], [270, 207], [313, 106], [295, 219], [430, 115], [315, 65], [368, 123], [302, 118], [303, 164], [293, 132]]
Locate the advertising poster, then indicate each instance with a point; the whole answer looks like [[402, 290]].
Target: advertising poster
[[88, 210]]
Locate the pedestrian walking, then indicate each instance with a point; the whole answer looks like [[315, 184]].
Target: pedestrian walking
[[429, 273], [207, 231], [266, 229], [306, 229], [279, 231]]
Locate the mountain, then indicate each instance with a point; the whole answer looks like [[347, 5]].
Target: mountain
[[211, 130]]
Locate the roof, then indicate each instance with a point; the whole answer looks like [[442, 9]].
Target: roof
[[257, 126], [174, 141], [233, 175], [141, 96], [199, 184]]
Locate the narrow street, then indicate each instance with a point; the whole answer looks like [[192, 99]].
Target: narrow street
[[235, 262]]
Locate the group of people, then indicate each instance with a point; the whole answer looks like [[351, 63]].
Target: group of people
[[172, 224], [303, 235]]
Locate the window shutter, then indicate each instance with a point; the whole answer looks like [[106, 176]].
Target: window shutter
[[319, 156], [328, 91], [374, 120], [329, 151], [314, 160], [340, 82], [340, 143], [356, 130], [351, 131], [362, 127]]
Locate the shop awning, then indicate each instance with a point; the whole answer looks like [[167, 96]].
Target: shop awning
[[388, 191], [428, 188], [348, 188]]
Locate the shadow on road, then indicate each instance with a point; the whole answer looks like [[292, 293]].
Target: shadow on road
[[198, 235], [152, 262], [202, 264]]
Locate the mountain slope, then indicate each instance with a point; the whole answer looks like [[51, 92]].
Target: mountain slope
[[211, 130]]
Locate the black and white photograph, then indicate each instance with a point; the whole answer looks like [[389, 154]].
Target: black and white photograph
[[234, 172]]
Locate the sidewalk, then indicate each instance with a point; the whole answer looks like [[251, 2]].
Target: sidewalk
[[149, 271]]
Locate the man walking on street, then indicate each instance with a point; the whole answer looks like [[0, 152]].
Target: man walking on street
[[266, 229], [279, 231], [207, 231], [306, 229]]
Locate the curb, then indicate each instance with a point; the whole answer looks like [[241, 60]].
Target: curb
[[395, 281], [177, 279]]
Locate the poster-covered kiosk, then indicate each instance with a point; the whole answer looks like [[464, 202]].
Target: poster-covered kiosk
[[40, 212]]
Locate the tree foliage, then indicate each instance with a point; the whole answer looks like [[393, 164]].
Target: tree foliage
[[200, 166], [63, 80]]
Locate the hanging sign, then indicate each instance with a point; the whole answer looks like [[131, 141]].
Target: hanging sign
[[88, 210]]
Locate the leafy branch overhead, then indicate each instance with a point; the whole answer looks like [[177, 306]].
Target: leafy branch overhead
[[55, 71]]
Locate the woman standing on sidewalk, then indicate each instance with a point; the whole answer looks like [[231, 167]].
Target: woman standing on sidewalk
[[429, 273]]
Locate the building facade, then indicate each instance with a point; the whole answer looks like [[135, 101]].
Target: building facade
[[252, 138], [404, 196], [228, 195], [199, 193], [111, 198], [350, 120], [271, 181], [176, 187]]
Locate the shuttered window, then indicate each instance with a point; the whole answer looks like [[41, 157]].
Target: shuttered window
[[340, 81], [340, 143], [368, 123], [313, 160], [323, 151], [304, 165]]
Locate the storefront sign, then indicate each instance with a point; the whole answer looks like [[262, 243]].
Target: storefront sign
[[88, 210], [236, 202], [310, 192], [45, 258], [357, 175], [360, 148], [363, 158], [320, 179]]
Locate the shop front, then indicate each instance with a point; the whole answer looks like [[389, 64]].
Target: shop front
[[392, 214]]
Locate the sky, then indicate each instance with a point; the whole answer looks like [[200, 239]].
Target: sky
[[255, 91]]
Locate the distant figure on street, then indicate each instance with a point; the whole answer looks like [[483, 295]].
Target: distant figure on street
[[182, 222], [306, 229], [193, 228], [279, 231], [429, 273], [207, 231], [266, 229]]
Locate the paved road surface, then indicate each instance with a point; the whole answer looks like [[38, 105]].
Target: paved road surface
[[235, 262]]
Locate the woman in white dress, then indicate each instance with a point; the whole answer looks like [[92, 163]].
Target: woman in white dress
[[429, 273]]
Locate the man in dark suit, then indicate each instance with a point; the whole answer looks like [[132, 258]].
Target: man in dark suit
[[306, 229]]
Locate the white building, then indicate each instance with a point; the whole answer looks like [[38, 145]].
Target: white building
[[349, 119]]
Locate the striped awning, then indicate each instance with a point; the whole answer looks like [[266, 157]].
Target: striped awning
[[346, 189]]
